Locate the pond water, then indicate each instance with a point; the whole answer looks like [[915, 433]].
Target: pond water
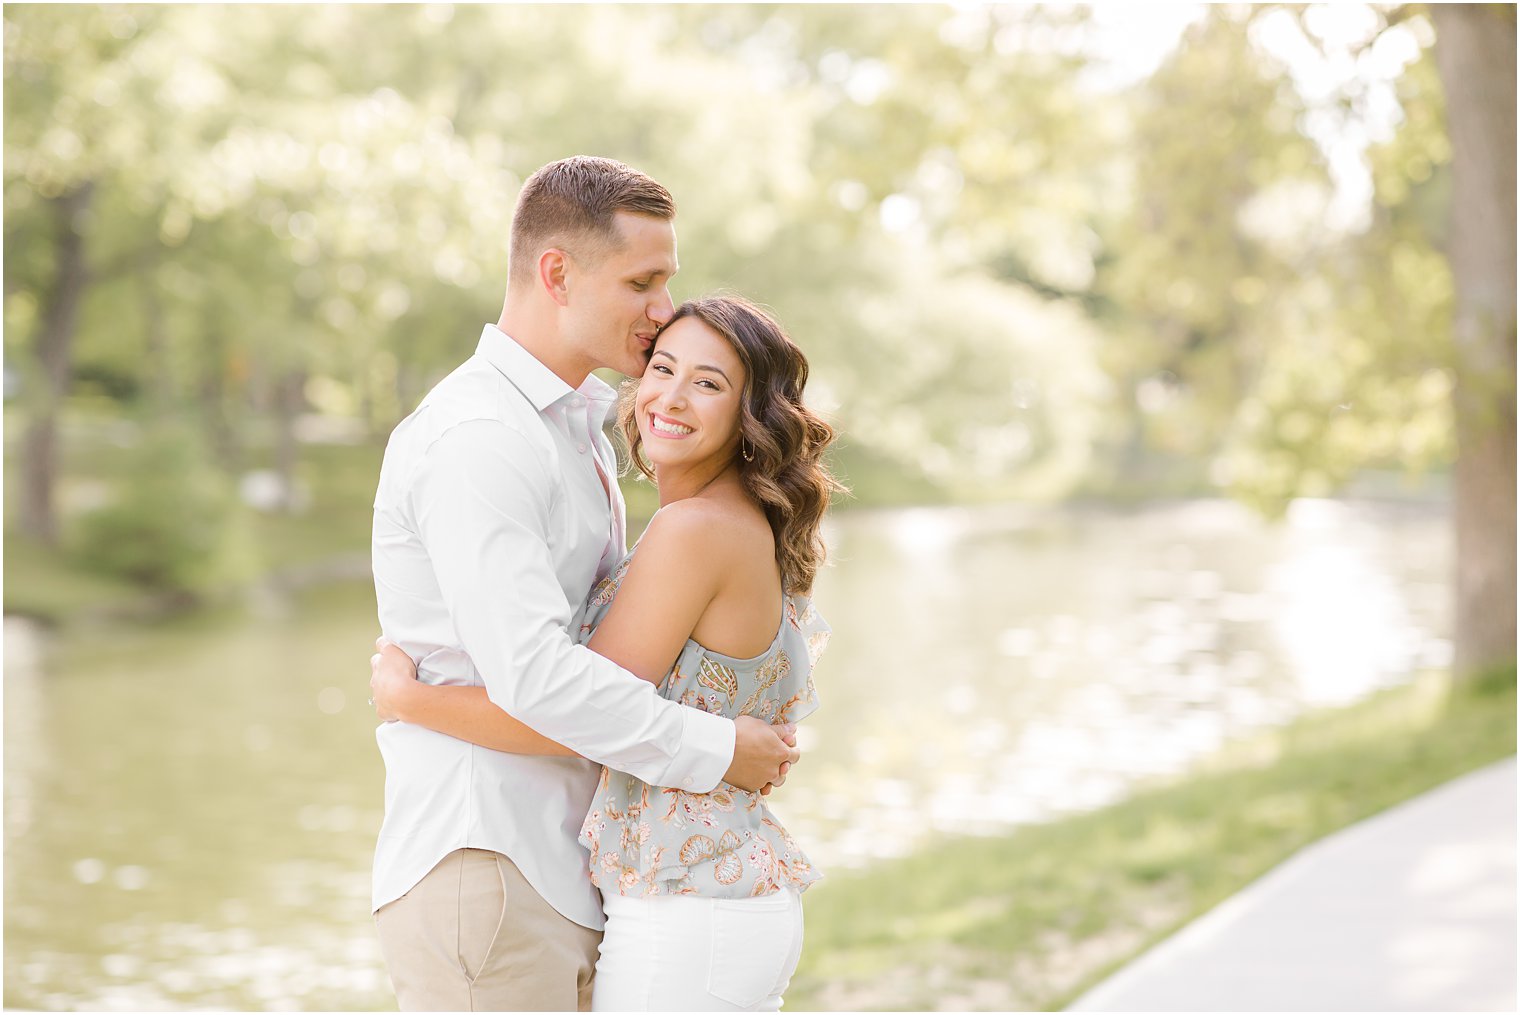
[[190, 811]]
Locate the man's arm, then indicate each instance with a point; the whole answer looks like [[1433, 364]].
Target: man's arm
[[481, 499], [466, 713]]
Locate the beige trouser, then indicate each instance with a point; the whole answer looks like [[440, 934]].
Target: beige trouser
[[473, 935]]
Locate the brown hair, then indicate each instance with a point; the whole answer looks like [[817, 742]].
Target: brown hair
[[786, 474], [571, 203]]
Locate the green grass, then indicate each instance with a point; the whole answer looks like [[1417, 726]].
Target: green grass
[[1030, 919]]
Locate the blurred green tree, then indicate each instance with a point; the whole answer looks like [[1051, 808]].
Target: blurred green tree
[[940, 313], [1209, 251], [80, 179], [1360, 376], [1012, 278], [166, 527]]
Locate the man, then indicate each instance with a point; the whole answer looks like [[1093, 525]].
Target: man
[[497, 510]]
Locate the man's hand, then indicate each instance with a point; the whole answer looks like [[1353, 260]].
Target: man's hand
[[762, 755], [391, 676]]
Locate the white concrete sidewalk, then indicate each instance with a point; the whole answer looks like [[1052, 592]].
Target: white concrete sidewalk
[[1411, 910]]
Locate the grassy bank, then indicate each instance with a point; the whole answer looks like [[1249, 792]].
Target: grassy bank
[[1030, 919]]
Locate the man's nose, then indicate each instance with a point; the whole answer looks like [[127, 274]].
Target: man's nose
[[661, 308]]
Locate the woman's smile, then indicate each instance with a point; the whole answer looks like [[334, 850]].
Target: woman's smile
[[667, 427]]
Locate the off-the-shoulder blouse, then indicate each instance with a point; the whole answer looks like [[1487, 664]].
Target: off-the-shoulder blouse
[[649, 840]]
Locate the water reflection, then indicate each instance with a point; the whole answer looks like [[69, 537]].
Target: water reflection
[[1343, 627], [190, 814], [1018, 664], [201, 819]]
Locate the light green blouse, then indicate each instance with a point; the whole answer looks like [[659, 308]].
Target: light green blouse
[[650, 840]]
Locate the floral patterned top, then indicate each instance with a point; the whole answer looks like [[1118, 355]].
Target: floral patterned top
[[648, 840]]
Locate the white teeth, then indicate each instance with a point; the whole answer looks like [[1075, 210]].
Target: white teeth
[[662, 427]]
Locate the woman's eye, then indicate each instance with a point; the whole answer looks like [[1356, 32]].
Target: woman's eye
[[640, 286], [661, 367], [710, 384]]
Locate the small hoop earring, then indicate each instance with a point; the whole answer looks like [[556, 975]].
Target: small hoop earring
[[749, 455]]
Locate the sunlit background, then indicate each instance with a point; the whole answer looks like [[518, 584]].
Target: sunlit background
[[1134, 320]]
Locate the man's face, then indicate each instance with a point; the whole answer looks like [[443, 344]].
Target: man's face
[[617, 304]]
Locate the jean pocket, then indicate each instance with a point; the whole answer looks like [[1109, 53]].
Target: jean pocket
[[753, 948]]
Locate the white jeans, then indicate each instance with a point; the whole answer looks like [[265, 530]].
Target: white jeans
[[687, 953]]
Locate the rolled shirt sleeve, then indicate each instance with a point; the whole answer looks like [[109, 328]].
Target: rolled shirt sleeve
[[482, 497]]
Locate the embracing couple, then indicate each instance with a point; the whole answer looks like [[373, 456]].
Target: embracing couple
[[578, 737]]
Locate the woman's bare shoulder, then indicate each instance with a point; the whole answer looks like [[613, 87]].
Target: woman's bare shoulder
[[719, 531]]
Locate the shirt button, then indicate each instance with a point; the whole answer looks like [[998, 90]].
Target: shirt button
[[581, 448], [578, 402], [686, 782]]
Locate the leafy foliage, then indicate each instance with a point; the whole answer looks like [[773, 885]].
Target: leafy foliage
[[167, 528], [1012, 279]]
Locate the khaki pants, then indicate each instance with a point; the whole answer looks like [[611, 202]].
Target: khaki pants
[[473, 935]]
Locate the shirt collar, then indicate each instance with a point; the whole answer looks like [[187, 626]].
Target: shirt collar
[[540, 385]]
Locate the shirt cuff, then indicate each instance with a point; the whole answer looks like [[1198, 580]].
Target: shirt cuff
[[707, 749]]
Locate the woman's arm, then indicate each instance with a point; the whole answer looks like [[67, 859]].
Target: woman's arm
[[677, 571], [461, 712]]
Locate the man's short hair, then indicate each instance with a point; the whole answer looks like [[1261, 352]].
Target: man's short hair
[[571, 204]]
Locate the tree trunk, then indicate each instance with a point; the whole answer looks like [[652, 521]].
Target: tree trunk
[[289, 401], [1475, 55], [55, 340], [160, 369], [216, 413]]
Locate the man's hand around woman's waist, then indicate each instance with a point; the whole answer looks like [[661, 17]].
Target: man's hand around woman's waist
[[763, 753]]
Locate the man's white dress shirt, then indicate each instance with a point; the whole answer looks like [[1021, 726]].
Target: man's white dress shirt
[[491, 526]]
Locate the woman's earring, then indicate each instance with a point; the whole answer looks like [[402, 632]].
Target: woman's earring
[[749, 454]]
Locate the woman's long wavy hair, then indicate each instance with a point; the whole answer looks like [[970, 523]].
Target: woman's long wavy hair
[[786, 473]]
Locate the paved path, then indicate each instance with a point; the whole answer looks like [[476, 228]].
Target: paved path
[[1412, 910]]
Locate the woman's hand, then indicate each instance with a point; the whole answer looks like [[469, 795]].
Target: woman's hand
[[788, 734], [392, 677]]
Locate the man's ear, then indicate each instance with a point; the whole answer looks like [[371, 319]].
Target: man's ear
[[553, 269]]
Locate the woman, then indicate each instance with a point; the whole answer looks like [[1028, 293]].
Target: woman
[[701, 891]]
